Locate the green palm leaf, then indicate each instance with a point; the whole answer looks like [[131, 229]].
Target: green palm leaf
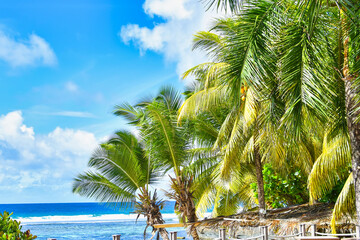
[[99, 187], [345, 202]]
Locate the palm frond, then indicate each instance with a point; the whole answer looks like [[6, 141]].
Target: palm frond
[[345, 203], [119, 165], [201, 102], [227, 203], [232, 5], [251, 111], [210, 42], [227, 127], [247, 50], [99, 187], [326, 172], [299, 85], [202, 160], [205, 195], [171, 98], [130, 113]]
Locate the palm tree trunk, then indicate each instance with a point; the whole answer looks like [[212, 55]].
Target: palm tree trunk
[[354, 131], [164, 234], [184, 199], [190, 206], [149, 207], [353, 126], [259, 173], [193, 233], [260, 181], [192, 218]]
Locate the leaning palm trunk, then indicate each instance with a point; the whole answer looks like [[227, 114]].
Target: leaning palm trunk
[[184, 202], [150, 207]]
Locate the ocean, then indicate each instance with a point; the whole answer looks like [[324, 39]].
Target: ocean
[[84, 220]]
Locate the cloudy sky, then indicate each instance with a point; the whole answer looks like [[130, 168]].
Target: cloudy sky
[[64, 65]]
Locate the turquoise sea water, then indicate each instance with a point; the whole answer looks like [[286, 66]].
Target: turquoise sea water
[[83, 220]]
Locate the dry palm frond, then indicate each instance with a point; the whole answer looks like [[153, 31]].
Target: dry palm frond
[[150, 206], [184, 201]]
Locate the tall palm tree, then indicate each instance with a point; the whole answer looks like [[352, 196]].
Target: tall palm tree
[[317, 60], [121, 174], [318, 71], [230, 78]]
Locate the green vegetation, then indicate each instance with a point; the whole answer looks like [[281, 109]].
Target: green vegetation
[[291, 73], [271, 120], [11, 230], [282, 191], [165, 144], [122, 173]]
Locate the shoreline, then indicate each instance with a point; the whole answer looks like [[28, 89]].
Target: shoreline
[[88, 218]]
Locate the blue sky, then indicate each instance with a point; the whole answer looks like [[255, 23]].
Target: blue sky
[[64, 65]]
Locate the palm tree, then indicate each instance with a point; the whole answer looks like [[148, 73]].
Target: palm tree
[[121, 174], [207, 162], [317, 68], [319, 75], [187, 150], [166, 145], [229, 79]]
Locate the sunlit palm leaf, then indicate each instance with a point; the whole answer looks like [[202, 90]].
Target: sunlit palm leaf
[[336, 155], [345, 203]]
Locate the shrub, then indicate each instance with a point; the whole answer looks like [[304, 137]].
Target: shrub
[[11, 229], [282, 191]]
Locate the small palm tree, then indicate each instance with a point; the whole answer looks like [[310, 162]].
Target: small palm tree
[[166, 144], [121, 174]]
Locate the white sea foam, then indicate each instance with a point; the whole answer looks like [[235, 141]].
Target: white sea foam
[[88, 218]]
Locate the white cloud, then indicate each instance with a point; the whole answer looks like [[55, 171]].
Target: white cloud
[[104, 138], [146, 39], [14, 134], [27, 179], [172, 38], [33, 51], [38, 160], [167, 9], [71, 87], [69, 141], [74, 114]]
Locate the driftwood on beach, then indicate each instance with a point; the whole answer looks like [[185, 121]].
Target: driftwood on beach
[[284, 221]]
